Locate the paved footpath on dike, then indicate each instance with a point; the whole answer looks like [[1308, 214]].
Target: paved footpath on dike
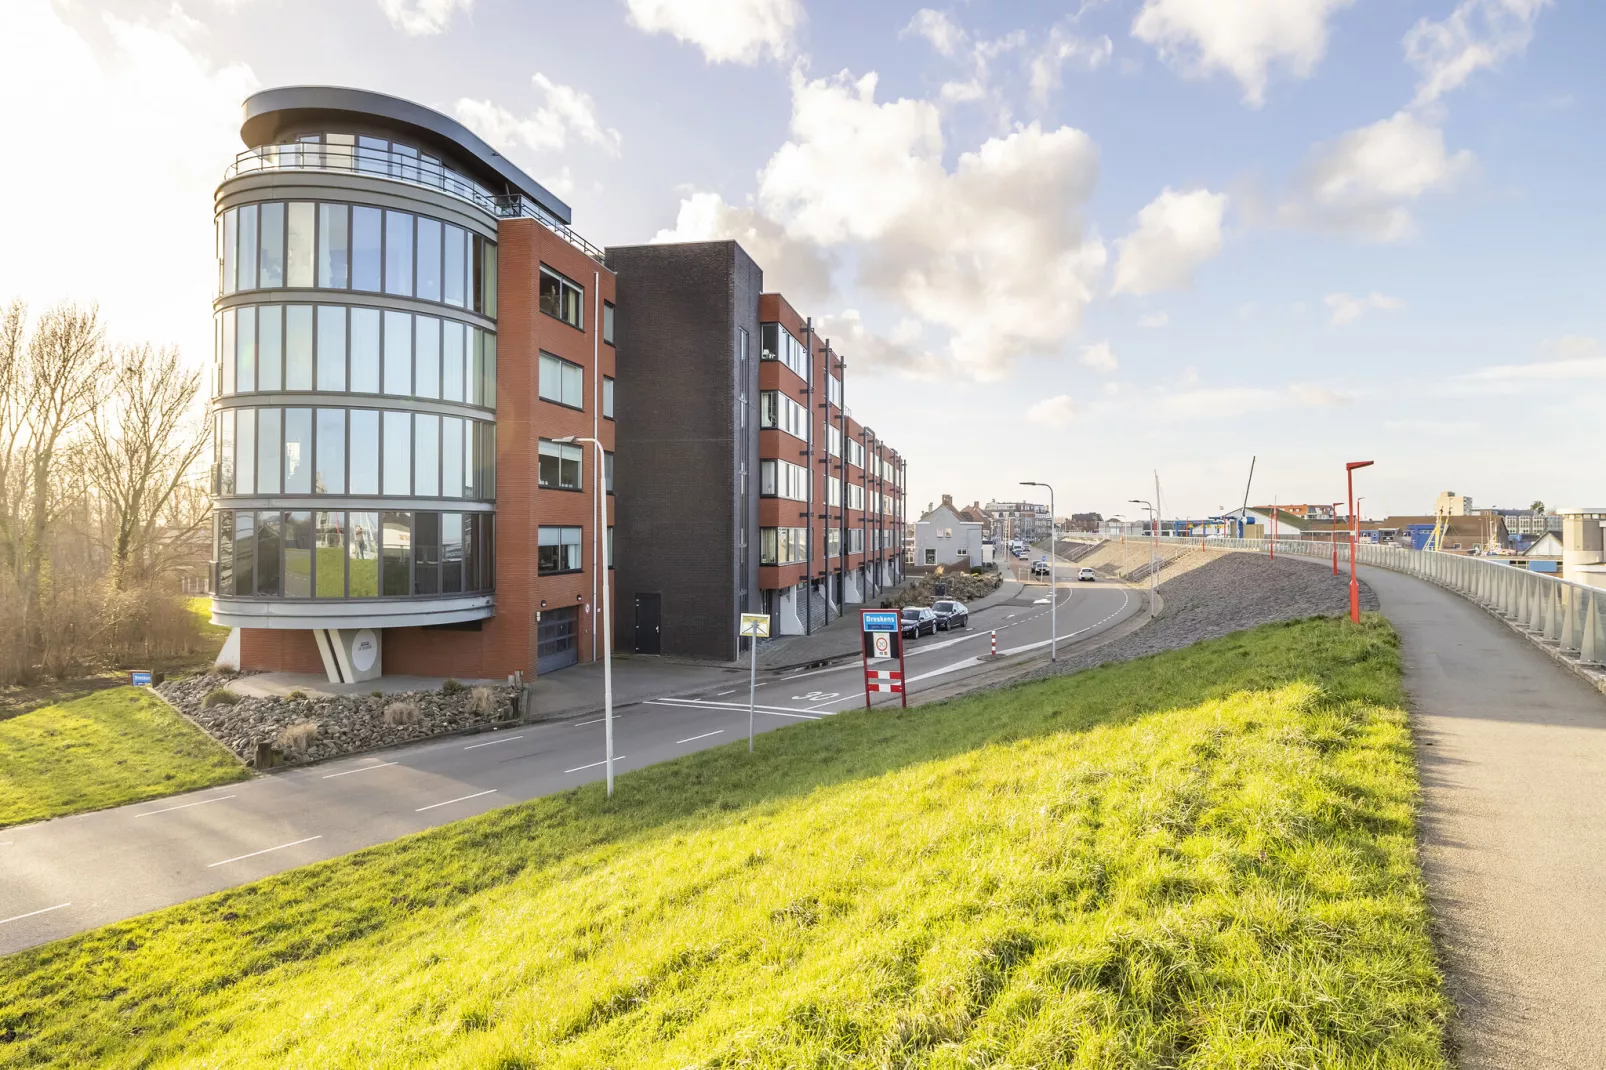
[[1512, 751]]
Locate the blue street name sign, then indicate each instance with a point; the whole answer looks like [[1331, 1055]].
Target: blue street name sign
[[881, 622], [140, 679]]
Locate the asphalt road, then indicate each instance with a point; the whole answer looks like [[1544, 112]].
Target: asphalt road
[[71, 874]]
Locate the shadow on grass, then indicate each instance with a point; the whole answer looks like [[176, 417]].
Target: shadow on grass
[[120, 980]]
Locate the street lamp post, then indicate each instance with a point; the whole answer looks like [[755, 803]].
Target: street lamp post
[[1053, 575], [1354, 532], [607, 603], [1154, 519], [1334, 530]]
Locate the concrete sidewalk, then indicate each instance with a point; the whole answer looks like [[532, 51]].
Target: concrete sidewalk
[[1512, 752]]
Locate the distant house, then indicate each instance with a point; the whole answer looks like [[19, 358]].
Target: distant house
[[944, 537], [974, 514], [1462, 534]]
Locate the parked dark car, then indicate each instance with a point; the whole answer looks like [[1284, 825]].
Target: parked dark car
[[918, 621], [951, 614]]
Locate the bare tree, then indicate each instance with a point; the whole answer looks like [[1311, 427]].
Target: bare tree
[[143, 444], [13, 352]]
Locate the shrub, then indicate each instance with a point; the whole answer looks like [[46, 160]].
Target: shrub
[[297, 736], [220, 696], [482, 701], [297, 695], [402, 713], [223, 671], [376, 694], [452, 687]]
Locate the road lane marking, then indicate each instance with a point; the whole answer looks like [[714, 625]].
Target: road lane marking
[[494, 742], [732, 691], [264, 851], [728, 707], [359, 769], [617, 758], [460, 798], [183, 806], [31, 913], [705, 735], [582, 724]]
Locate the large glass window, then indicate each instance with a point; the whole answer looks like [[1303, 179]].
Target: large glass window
[[267, 554], [398, 353], [364, 451], [365, 350], [269, 436], [298, 347], [562, 381], [607, 397], [451, 457], [362, 547], [426, 455], [398, 253], [452, 361], [396, 548], [298, 259], [245, 584], [398, 453], [429, 259], [226, 346], [426, 553], [426, 357], [231, 220], [451, 553], [225, 553], [245, 469], [558, 550], [329, 540], [456, 240], [607, 322], [245, 352], [270, 348], [225, 421], [777, 343], [334, 253], [366, 244], [331, 466], [782, 479], [782, 546], [561, 298], [331, 347], [560, 464], [782, 413], [272, 271], [298, 451], [248, 247], [298, 547]]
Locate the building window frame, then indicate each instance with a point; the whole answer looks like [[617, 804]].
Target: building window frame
[[559, 550], [567, 385], [561, 298]]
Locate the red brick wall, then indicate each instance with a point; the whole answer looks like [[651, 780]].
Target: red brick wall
[[279, 650]]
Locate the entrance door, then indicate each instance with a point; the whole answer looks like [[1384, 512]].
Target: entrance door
[[647, 626], [557, 640]]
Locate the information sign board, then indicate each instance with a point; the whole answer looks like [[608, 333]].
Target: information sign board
[[879, 620], [755, 626], [883, 645], [140, 679]]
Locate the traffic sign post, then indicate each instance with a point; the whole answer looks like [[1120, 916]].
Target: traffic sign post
[[883, 641], [753, 627]]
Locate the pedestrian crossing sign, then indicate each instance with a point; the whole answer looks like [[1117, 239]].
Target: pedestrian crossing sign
[[754, 626]]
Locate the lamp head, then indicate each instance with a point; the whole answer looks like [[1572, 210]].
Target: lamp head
[[567, 439], [1352, 465]]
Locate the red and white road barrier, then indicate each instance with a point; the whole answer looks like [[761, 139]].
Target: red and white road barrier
[[995, 644], [888, 680]]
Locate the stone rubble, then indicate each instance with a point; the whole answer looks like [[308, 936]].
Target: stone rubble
[[347, 724]]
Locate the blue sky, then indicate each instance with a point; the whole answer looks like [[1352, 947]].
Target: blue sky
[[1066, 242]]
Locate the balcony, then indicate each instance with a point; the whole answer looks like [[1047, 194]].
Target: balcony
[[402, 167]]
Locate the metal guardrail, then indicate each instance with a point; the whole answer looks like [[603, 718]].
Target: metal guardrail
[[1563, 614], [401, 167]]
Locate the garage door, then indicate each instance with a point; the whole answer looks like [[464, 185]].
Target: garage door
[[558, 639]]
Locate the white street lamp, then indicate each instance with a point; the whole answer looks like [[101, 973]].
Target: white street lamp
[[1053, 575], [1154, 531], [607, 600]]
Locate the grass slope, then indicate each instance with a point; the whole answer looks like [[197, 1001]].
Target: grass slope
[[1200, 859], [105, 749]]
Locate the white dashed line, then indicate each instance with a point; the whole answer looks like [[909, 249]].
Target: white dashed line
[[31, 913], [582, 724], [617, 758], [460, 798], [493, 742], [705, 735], [183, 806], [264, 851], [359, 769]]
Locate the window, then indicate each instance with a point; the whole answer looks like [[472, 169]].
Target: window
[[607, 472], [267, 554], [782, 413], [833, 491], [607, 322], [365, 350], [833, 542], [272, 247], [365, 248], [248, 247], [782, 479], [399, 253], [329, 548], [429, 259], [451, 553], [451, 457], [426, 553], [777, 343], [833, 390], [782, 546], [298, 549], [834, 440], [607, 397], [562, 381], [269, 422], [231, 220], [298, 258], [561, 298], [270, 348], [298, 347], [329, 473], [426, 455], [396, 551], [331, 347], [560, 464], [362, 555], [398, 442], [245, 350], [398, 353], [364, 451], [855, 497], [558, 550], [931, 557], [245, 468], [334, 267], [452, 372], [456, 280], [426, 357], [298, 451], [855, 540], [855, 453]]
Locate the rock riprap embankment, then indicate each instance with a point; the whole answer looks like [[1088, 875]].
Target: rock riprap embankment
[[347, 724]]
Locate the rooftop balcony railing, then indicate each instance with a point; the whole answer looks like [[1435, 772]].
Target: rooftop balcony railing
[[402, 167]]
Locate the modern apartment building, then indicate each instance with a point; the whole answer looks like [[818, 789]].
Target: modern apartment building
[[1027, 521], [407, 331], [746, 483]]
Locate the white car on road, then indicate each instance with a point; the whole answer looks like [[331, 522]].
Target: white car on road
[[1086, 575]]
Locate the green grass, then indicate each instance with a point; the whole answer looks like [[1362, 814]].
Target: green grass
[[201, 607], [105, 749], [1203, 859]]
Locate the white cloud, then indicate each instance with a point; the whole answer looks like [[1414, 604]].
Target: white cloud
[[945, 35], [422, 18], [1573, 357], [865, 350], [1100, 358], [1154, 320], [1244, 38], [150, 96], [1057, 412], [1364, 182], [564, 112], [727, 31], [976, 55], [799, 269], [1064, 48], [975, 249], [1478, 34], [1318, 396], [1230, 401], [1176, 233], [1347, 308]]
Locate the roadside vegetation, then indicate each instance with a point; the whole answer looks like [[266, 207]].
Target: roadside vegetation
[[105, 749], [1201, 859]]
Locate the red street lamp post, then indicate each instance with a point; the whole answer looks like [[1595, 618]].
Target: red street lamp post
[[1354, 531], [1335, 536]]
